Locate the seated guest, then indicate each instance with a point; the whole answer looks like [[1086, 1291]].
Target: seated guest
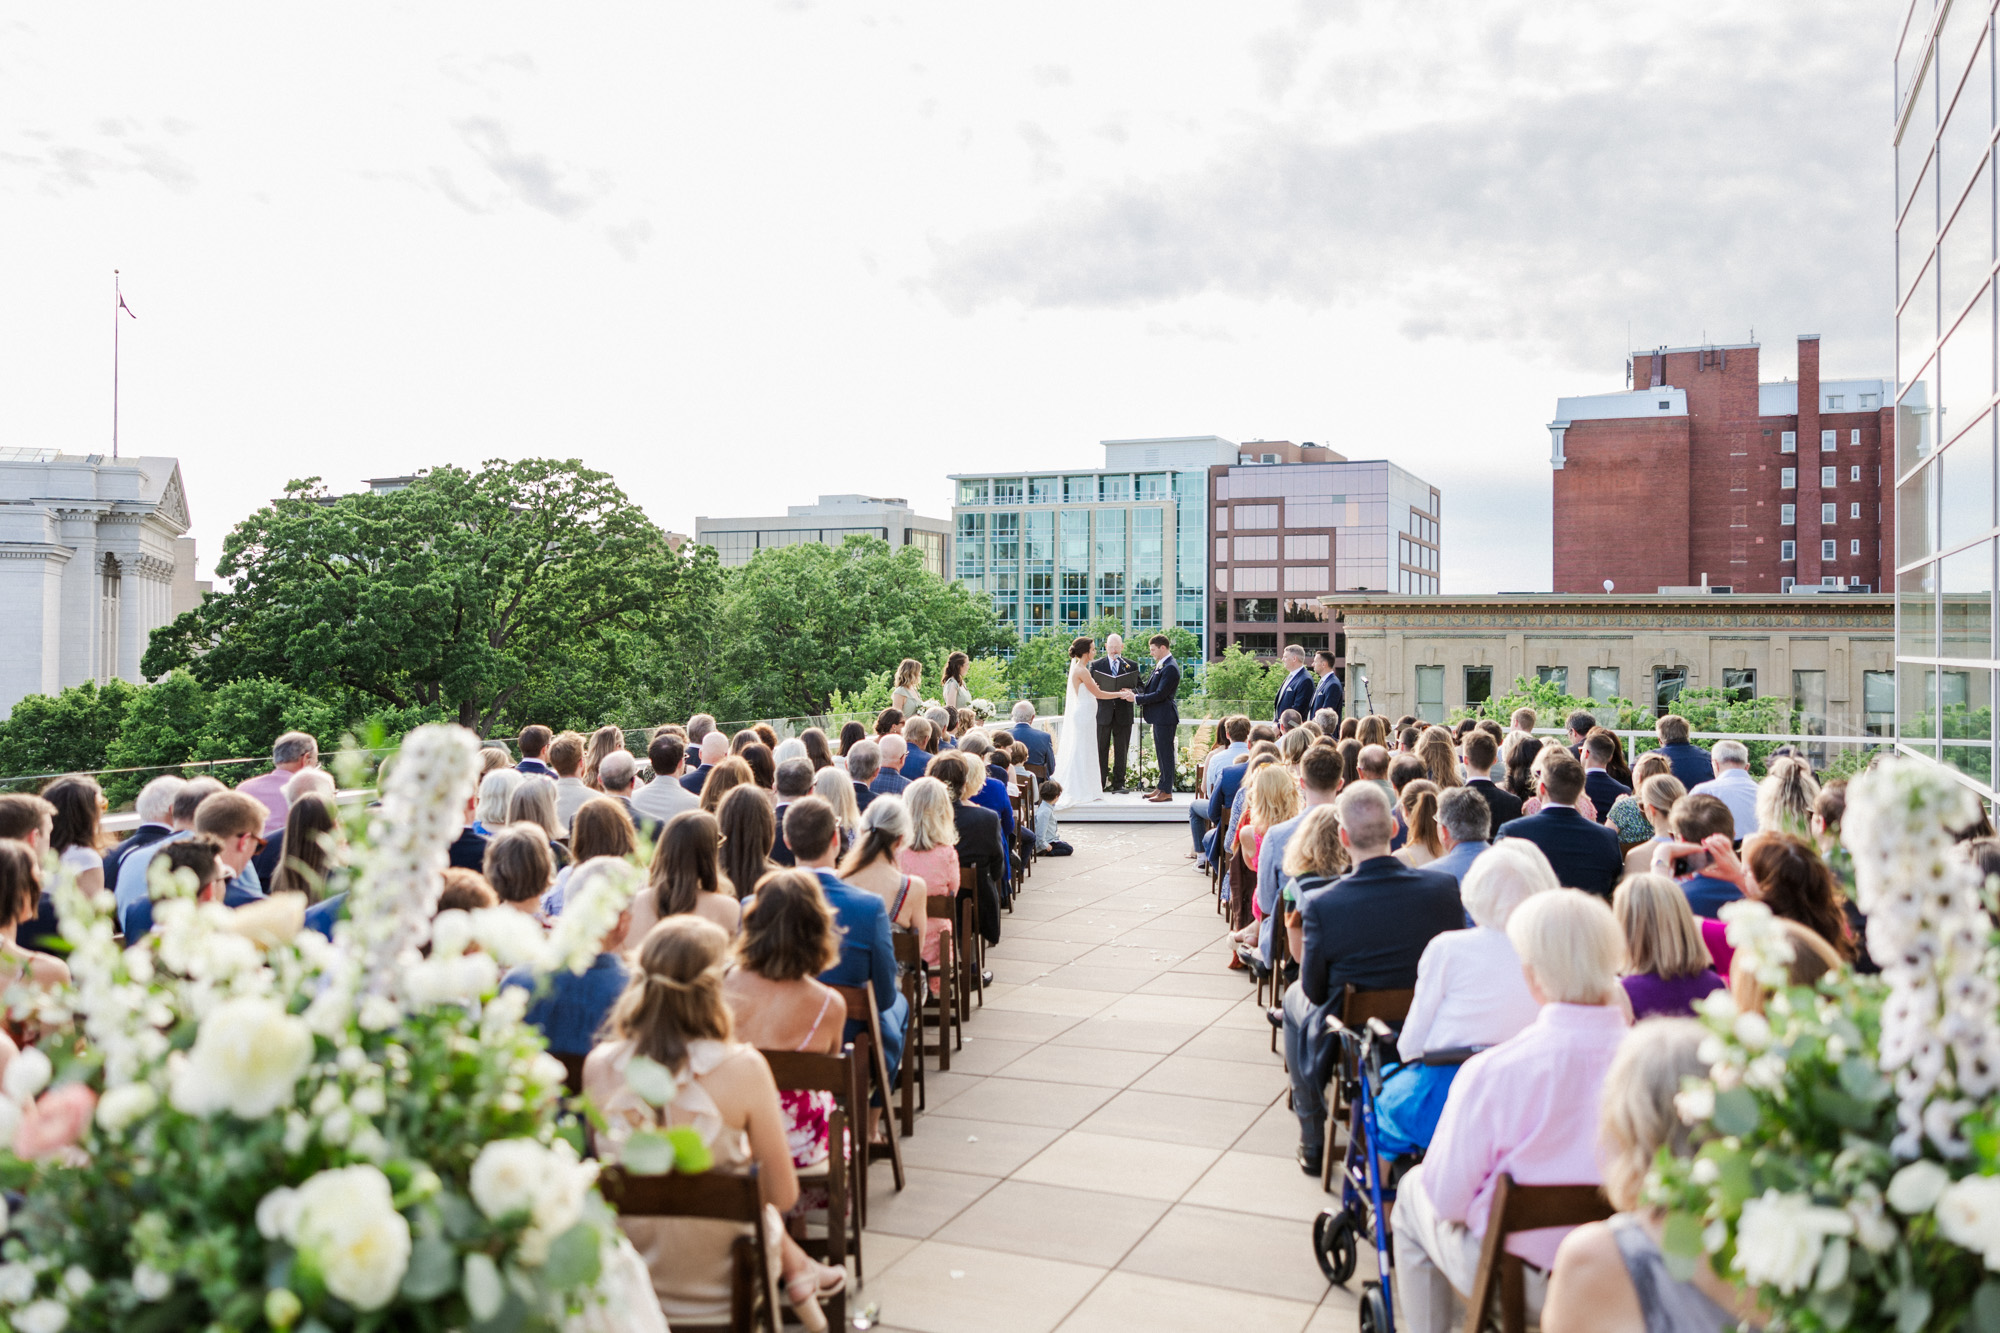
[[1403, 770], [519, 867], [496, 793], [1666, 964], [1048, 833], [1785, 873], [1523, 721], [1440, 755], [572, 1007], [1319, 783], [1482, 752], [1732, 785], [1785, 797], [1690, 762], [979, 836], [862, 765], [673, 1013], [931, 853], [867, 956], [1600, 748], [1528, 1108], [833, 786], [1417, 802], [1520, 755], [1040, 744], [891, 722], [20, 901], [615, 776], [235, 823], [763, 765], [1464, 825], [534, 740], [1695, 819], [991, 793], [944, 729], [1655, 798], [75, 832], [30, 820], [724, 778], [1627, 816], [1371, 764], [468, 850], [534, 803], [850, 733], [566, 758], [714, 749], [1583, 854], [1612, 1276], [1470, 992], [155, 808], [792, 747], [917, 739], [685, 876], [1234, 731], [1273, 801], [875, 864], [817, 749], [465, 891], [889, 779], [1365, 930], [1204, 817], [794, 781], [606, 741], [601, 828], [1579, 726], [312, 849], [748, 827]]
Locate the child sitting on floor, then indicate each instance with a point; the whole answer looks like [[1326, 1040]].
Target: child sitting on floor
[[1046, 840]]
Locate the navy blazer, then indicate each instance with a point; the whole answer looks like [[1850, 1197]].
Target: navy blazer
[[1156, 696], [1583, 855], [1707, 895], [143, 836], [1503, 804], [867, 957], [1369, 928], [1296, 692], [888, 782], [1041, 745], [1690, 762], [1328, 695], [1223, 794], [863, 794], [914, 764], [1603, 789], [693, 779]]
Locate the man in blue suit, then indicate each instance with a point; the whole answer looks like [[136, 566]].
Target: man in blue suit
[[1041, 745], [1583, 855], [889, 779], [917, 735], [1296, 694], [1329, 693], [867, 958], [1156, 708], [1598, 784], [1691, 763], [1365, 930]]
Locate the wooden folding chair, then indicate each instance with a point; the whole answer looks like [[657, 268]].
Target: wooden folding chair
[[720, 1196], [1242, 883], [861, 1009], [910, 1076], [971, 944], [845, 1171], [1522, 1208], [951, 1023], [1280, 954], [1356, 1008]]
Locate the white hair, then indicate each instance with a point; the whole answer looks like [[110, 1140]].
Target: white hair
[[714, 748], [1503, 877], [156, 798], [496, 792], [1024, 711], [1571, 944], [1731, 752], [309, 782], [894, 750], [789, 748]]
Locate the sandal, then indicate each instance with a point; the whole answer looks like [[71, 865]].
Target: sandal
[[809, 1288]]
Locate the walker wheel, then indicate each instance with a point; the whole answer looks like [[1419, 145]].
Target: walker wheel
[[1333, 1245], [1374, 1310]]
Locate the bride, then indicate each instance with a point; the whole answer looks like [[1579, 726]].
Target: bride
[[1076, 746]]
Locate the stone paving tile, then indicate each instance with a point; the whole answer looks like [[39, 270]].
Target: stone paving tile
[[1124, 1302]]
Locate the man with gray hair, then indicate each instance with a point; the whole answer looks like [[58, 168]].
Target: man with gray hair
[[289, 753], [1114, 673], [941, 721], [1296, 694], [794, 782], [616, 774], [864, 762], [1040, 745], [155, 808], [1366, 930], [1732, 784], [1465, 821], [131, 886], [889, 779]]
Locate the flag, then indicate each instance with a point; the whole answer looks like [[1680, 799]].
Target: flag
[[126, 308]]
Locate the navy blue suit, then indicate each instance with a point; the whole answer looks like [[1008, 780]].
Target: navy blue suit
[[1041, 746], [1295, 693], [1707, 895], [143, 836], [1502, 804], [1583, 855], [867, 958], [888, 782], [1156, 706], [1603, 789], [693, 779], [1328, 695], [914, 764], [1690, 763]]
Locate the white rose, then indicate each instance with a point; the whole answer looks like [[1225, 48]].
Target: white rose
[[77, 1281], [1766, 1073], [1780, 1236], [17, 1283], [1916, 1187], [511, 937], [1753, 1030], [42, 1317], [277, 1213], [1968, 1213], [566, 1181], [248, 1055], [150, 1284], [369, 1100], [1696, 1105], [121, 1108], [1705, 1172], [379, 1013], [346, 1221], [451, 932], [27, 1074], [508, 1177]]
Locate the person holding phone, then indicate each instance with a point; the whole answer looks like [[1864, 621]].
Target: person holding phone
[[1696, 821]]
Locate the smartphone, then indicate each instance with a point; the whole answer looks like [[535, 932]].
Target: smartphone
[[1691, 864]]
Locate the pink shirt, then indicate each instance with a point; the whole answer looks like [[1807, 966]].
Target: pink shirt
[[1527, 1108], [937, 868], [269, 788]]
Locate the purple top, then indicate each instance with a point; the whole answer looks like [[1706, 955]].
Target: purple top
[[1655, 997]]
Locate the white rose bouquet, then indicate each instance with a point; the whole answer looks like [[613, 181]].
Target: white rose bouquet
[[1847, 1160], [304, 1134]]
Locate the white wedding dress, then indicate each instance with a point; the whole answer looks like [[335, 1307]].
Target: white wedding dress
[[1076, 747]]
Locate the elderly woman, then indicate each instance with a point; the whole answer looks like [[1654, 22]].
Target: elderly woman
[[1528, 1108], [1470, 992], [496, 794], [1602, 1269]]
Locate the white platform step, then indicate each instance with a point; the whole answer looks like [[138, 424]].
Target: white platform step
[[1132, 808]]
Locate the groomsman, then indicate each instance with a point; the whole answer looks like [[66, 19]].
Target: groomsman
[[1329, 694], [1297, 692]]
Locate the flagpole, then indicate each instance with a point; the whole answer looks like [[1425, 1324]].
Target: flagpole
[[117, 300]]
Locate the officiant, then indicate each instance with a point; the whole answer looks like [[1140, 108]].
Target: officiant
[[1114, 671]]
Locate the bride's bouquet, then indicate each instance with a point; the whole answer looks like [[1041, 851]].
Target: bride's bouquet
[[253, 1127]]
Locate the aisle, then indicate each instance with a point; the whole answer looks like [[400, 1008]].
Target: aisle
[[1112, 1149]]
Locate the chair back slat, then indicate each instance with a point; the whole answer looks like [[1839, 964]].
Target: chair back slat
[[1358, 1006], [721, 1196], [1516, 1208]]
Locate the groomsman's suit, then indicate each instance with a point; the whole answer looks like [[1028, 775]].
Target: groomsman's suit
[[1328, 695], [1295, 693], [1114, 718]]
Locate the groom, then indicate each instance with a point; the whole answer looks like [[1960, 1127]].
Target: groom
[[1156, 707]]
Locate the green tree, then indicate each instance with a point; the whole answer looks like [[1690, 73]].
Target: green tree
[[245, 716], [159, 729], [1040, 667], [466, 592], [800, 622], [63, 733], [1243, 680]]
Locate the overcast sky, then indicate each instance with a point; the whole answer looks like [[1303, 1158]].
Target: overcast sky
[[742, 254]]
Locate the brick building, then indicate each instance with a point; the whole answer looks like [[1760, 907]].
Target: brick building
[[1700, 473]]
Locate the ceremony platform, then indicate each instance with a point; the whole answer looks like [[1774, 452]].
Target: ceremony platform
[[1130, 808]]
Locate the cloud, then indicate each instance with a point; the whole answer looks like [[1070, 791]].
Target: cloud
[[114, 149], [1514, 187], [531, 178]]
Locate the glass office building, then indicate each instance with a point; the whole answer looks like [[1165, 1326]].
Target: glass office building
[[1944, 505], [1055, 550]]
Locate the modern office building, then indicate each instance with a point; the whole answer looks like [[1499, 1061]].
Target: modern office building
[[833, 520], [1295, 522], [1944, 456], [1697, 473], [93, 559], [1129, 539]]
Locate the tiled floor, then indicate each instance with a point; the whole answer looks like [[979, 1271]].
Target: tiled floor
[[1111, 1150]]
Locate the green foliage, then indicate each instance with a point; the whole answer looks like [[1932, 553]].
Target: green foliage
[[69, 732], [986, 678], [1040, 667], [1244, 680], [1552, 703], [870, 699]]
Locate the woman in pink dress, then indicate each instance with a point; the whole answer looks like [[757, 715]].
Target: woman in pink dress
[[932, 854]]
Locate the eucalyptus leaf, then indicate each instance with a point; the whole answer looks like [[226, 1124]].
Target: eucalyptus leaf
[[433, 1269], [573, 1258], [1735, 1111], [648, 1152], [1680, 1245], [1862, 1080], [652, 1081], [484, 1292], [1913, 1310], [691, 1154], [1835, 1308]]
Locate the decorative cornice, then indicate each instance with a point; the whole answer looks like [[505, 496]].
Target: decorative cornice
[[1385, 619], [32, 551]]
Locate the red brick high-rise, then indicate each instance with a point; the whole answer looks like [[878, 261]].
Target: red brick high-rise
[[1686, 476]]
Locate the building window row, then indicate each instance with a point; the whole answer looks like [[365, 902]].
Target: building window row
[[1091, 488]]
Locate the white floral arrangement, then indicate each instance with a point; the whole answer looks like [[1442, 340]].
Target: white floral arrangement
[[981, 708], [259, 1128]]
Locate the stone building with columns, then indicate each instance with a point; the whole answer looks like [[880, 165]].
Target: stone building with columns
[[1833, 655], [94, 557]]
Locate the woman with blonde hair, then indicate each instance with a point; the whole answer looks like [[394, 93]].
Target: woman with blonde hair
[[1785, 797], [833, 786], [534, 802], [1292, 746], [1418, 802], [906, 694], [496, 793], [1314, 858], [602, 742], [684, 877], [1273, 798], [673, 1012], [932, 852], [1667, 967], [1440, 755], [724, 778]]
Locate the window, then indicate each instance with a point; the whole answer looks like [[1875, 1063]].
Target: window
[[1603, 683], [1430, 693], [1257, 610], [1829, 549], [1152, 485], [1256, 578], [1739, 683], [1221, 549], [1788, 442], [1828, 513], [1788, 516], [1854, 510], [1256, 548], [1785, 583], [1256, 516], [1079, 490], [1878, 703], [1301, 612], [1829, 440], [1478, 685], [1668, 682], [1554, 675], [1222, 518], [1114, 488], [1006, 534], [1042, 490], [1666, 404], [1788, 478], [1308, 548], [1854, 438], [1834, 401], [1829, 581], [1788, 550], [1809, 697], [1306, 578], [1869, 401], [1854, 474], [1854, 546], [972, 492], [1829, 476]]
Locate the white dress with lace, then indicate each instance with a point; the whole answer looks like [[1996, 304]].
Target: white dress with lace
[[1076, 745]]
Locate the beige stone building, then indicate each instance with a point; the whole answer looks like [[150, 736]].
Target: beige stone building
[[1832, 655]]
